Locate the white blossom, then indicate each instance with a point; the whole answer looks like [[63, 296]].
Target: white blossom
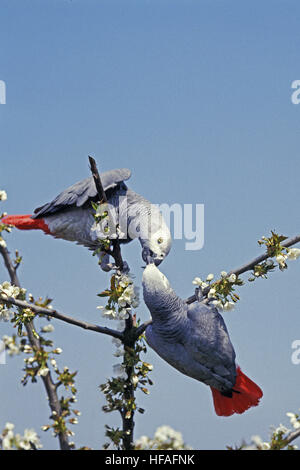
[[57, 351], [281, 429], [130, 296], [232, 278], [3, 195], [7, 440], [30, 437], [48, 328], [293, 253], [119, 371], [12, 348], [2, 243], [9, 426], [117, 342], [229, 306], [294, 420], [7, 290], [218, 304], [265, 446], [27, 349], [43, 371], [166, 433], [108, 312], [5, 313], [211, 293], [210, 277], [134, 379], [122, 314], [198, 282], [119, 352], [10, 441], [223, 274], [281, 260], [144, 442]]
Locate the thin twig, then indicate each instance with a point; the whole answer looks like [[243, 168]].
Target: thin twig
[[116, 251], [49, 385], [62, 316], [140, 330], [248, 266], [128, 421], [292, 436]]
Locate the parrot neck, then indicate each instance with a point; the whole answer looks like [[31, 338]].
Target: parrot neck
[[169, 318]]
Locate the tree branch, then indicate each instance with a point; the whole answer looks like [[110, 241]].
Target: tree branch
[[63, 317], [116, 250], [292, 436], [248, 266], [35, 343], [128, 421], [140, 330]]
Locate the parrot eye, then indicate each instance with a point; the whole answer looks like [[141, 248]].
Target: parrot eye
[[160, 240]]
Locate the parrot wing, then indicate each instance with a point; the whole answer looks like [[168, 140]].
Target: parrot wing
[[209, 340], [79, 193]]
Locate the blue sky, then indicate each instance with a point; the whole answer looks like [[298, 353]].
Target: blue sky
[[195, 98]]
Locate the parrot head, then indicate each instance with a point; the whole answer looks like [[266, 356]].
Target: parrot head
[[157, 246]]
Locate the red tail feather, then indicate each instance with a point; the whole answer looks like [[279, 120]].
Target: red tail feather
[[249, 396], [25, 222]]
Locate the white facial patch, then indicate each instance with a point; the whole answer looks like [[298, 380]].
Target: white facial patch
[[154, 279], [160, 242]]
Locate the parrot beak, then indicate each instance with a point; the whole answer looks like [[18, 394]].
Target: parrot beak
[[150, 260], [148, 256]]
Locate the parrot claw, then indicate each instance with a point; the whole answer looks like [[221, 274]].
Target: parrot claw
[[126, 268], [199, 294]]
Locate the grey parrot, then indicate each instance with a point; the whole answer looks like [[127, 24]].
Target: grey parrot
[[194, 339], [70, 216]]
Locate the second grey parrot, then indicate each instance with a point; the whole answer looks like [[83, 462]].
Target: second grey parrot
[[70, 216], [194, 339]]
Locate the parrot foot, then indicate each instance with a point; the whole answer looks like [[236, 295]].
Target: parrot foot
[[107, 266], [199, 294]]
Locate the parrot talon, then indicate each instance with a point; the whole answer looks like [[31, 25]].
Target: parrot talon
[[199, 294]]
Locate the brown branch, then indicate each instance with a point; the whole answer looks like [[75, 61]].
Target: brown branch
[[292, 436], [248, 266], [116, 251], [97, 180], [63, 317], [128, 421], [140, 330], [35, 343]]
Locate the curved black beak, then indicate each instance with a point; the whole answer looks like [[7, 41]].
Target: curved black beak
[[148, 255]]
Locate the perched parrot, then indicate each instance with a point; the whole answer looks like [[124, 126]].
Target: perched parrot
[[70, 216], [194, 339]]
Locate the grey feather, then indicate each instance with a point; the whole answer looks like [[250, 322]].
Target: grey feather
[[70, 216], [192, 338], [80, 193]]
